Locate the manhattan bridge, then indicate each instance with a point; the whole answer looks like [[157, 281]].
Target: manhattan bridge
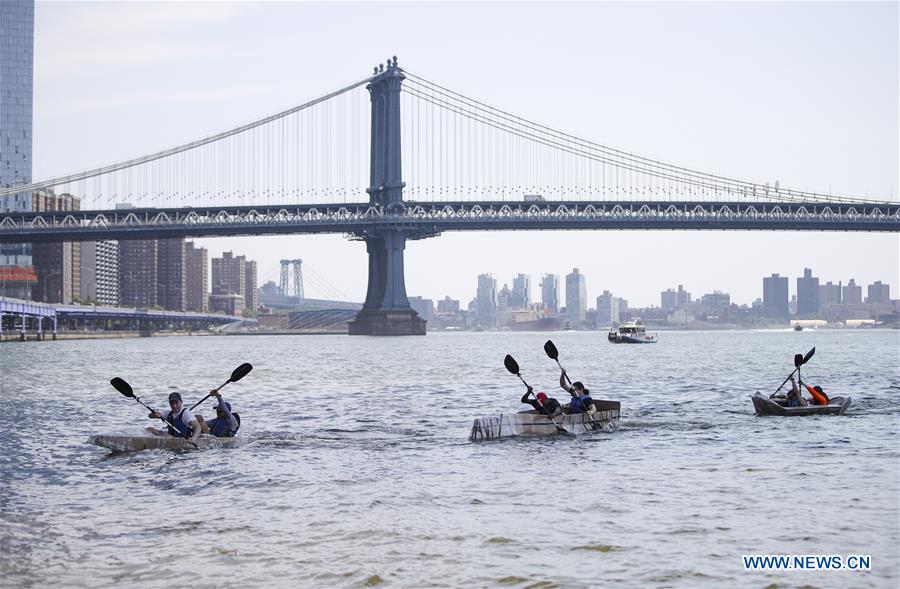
[[396, 157]]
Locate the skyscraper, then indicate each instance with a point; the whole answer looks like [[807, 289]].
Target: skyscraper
[[229, 274], [576, 297], [486, 301], [608, 311], [672, 299], [520, 297], [196, 278], [807, 294], [879, 293], [550, 293], [852, 293], [775, 295], [829, 294], [138, 265], [16, 113], [171, 274], [251, 301], [100, 272]]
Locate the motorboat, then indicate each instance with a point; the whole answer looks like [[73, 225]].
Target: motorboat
[[632, 332]]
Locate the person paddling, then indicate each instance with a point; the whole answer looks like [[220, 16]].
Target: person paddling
[[581, 397], [225, 424], [794, 396], [182, 423], [544, 404]]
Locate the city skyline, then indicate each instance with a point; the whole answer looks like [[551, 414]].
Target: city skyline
[[188, 71], [791, 290]]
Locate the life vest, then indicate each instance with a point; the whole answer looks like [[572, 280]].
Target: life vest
[[220, 427], [819, 395], [580, 404], [178, 428], [793, 403]]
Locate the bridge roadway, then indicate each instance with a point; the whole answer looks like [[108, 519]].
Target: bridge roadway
[[426, 219]]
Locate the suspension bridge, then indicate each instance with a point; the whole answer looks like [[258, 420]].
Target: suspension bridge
[[397, 157]]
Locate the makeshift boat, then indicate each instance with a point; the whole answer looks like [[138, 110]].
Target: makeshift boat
[[766, 406], [632, 332], [135, 443], [532, 423]]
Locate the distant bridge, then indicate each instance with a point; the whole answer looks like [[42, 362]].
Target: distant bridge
[[470, 167]]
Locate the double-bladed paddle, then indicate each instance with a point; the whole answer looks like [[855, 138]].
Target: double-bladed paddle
[[799, 360], [239, 373], [513, 367], [125, 388], [554, 354]]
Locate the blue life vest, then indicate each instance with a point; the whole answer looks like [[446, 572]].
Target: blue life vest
[[793, 403], [580, 404], [220, 427], [177, 427]]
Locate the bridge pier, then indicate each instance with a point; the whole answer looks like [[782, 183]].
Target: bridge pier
[[386, 310]]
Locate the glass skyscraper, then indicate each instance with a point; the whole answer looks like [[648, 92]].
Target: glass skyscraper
[[16, 88]]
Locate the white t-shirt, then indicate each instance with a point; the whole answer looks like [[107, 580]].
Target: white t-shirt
[[186, 417]]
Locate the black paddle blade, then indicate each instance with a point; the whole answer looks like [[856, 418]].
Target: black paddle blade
[[122, 386], [798, 360], [809, 355], [240, 372], [511, 364], [551, 350]]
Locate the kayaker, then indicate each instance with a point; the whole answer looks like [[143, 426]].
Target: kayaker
[[225, 424], [182, 423], [581, 397], [818, 395], [544, 404], [794, 396]]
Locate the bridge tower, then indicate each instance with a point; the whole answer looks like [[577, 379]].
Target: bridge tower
[[292, 279], [386, 310]]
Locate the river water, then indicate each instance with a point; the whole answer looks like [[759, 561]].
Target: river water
[[356, 469]]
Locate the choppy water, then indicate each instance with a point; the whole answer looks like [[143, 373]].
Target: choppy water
[[357, 471]]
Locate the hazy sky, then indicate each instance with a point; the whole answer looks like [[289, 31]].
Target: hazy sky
[[802, 93]]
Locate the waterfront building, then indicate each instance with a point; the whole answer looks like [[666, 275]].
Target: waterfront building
[[100, 272], [550, 293], [486, 301], [879, 293], [251, 302], [424, 307], [608, 310], [673, 299], [56, 264], [503, 299], [576, 297], [852, 293], [16, 116], [807, 294], [716, 301], [229, 274], [622, 305], [829, 294], [775, 295], [520, 296], [223, 301], [196, 278], [171, 276], [138, 266], [448, 305]]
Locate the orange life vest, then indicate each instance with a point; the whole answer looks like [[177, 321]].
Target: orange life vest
[[819, 395]]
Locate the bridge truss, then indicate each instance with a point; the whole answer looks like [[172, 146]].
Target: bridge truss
[[425, 219]]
